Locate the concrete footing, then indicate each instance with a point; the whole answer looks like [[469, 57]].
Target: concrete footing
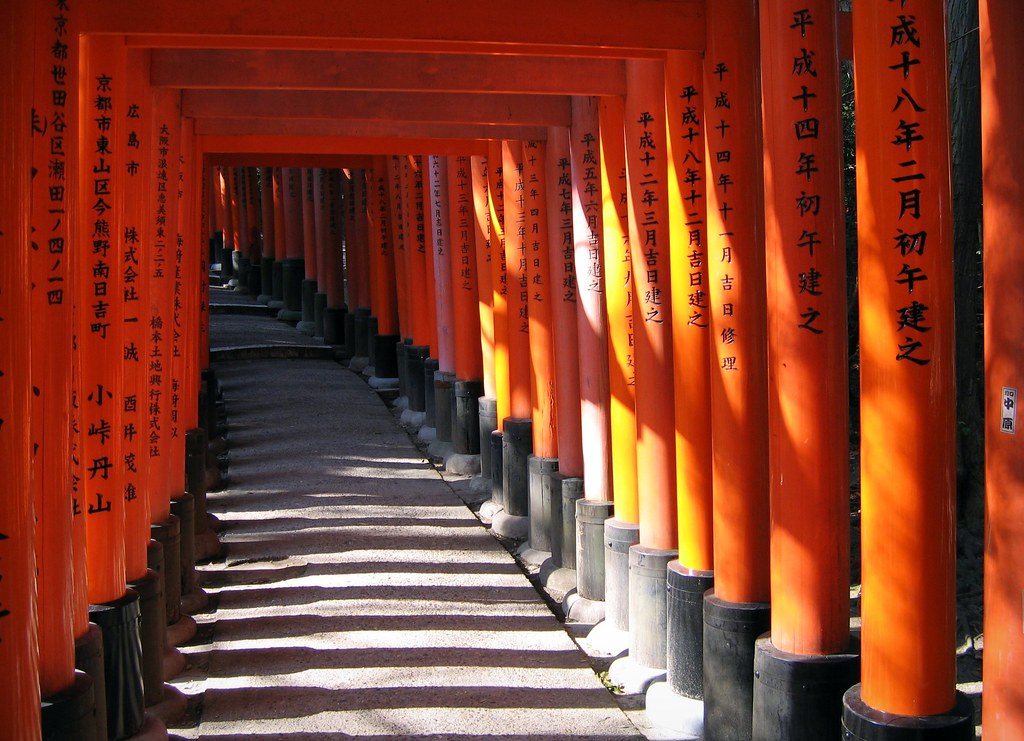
[[70, 712], [89, 659], [648, 568], [579, 609], [801, 696], [539, 472], [619, 537], [607, 640], [730, 632], [632, 676], [307, 322], [122, 657], [861, 722], [668, 710], [462, 464], [590, 559], [513, 527]]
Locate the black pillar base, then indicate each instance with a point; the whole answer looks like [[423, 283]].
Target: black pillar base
[[385, 359], [540, 471], [487, 409], [590, 567], [292, 271], [801, 696], [122, 663], [443, 381], [730, 631], [336, 322], [619, 536], [319, 307], [266, 292], [497, 448], [563, 533], [517, 444], [430, 367], [89, 659], [241, 270], [402, 364], [466, 419], [862, 722], [372, 331], [168, 535], [196, 443], [648, 570], [306, 323], [182, 507], [277, 285], [227, 263], [685, 630], [349, 333], [361, 333], [152, 632], [253, 277], [416, 356], [71, 712]]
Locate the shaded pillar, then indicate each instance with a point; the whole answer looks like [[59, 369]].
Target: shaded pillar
[[1002, 116], [19, 647], [908, 415], [481, 223], [309, 285], [293, 267]]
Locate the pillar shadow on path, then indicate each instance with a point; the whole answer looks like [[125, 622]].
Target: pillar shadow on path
[[358, 596]]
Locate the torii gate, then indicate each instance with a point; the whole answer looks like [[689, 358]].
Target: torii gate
[[513, 106]]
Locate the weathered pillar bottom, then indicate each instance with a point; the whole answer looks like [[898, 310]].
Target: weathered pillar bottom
[[496, 503], [89, 659], [70, 712], [277, 290], [319, 307], [563, 532], [863, 723], [307, 323], [361, 333], [466, 416], [799, 696], [348, 332], [168, 535], [539, 473], [487, 409], [292, 271], [152, 629], [648, 618], [430, 367], [685, 590], [266, 292], [122, 663], [416, 356], [730, 632], [385, 359], [619, 536], [517, 444], [336, 327]]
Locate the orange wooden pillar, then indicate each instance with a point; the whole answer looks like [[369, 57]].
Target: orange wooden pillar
[[908, 422], [568, 482], [808, 390], [487, 408], [222, 199], [543, 462], [293, 270], [268, 246], [309, 286], [438, 383], [588, 204], [425, 238], [19, 646], [62, 618], [99, 337], [466, 273], [383, 327], [334, 309], [517, 436], [236, 208], [623, 530], [420, 309], [677, 702], [737, 611], [1002, 116], [647, 161]]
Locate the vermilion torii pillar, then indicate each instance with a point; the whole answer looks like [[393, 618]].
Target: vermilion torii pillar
[[309, 286], [62, 610], [1002, 116], [465, 275], [439, 211], [19, 646], [517, 436], [335, 309], [677, 703], [543, 461], [293, 268], [737, 611], [567, 486], [384, 332], [100, 283], [647, 163], [808, 390], [623, 530], [483, 257], [587, 171], [908, 419], [416, 277]]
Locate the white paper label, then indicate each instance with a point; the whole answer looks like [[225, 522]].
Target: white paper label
[[1009, 411]]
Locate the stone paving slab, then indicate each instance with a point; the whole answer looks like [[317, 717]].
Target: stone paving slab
[[359, 597]]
